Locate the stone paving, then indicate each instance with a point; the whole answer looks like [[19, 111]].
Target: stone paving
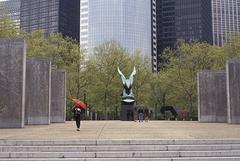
[[125, 130]]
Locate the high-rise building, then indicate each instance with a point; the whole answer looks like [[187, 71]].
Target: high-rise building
[[12, 9], [61, 16], [193, 20], [128, 22], [165, 29], [212, 21], [182, 20], [225, 20]]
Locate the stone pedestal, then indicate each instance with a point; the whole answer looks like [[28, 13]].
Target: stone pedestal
[[233, 91], [58, 96], [12, 82], [38, 91], [212, 96], [127, 112]]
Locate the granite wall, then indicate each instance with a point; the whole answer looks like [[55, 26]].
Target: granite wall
[[233, 91], [38, 91], [12, 82], [212, 96], [58, 96]]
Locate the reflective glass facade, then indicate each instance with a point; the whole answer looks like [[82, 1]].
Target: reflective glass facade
[[182, 20], [125, 21], [226, 19], [51, 16], [193, 20], [11, 8]]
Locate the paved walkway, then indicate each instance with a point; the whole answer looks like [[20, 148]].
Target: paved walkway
[[124, 130]]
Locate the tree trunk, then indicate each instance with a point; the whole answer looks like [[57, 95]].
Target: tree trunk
[[78, 82], [164, 99], [105, 105], [191, 105]]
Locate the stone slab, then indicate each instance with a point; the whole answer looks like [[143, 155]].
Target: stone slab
[[38, 91], [168, 159], [212, 96], [58, 96], [49, 148], [99, 148], [92, 144], [131, 159], [47, 155], [12, 82], [233, 91]]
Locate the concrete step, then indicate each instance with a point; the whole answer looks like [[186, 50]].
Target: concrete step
[[99, 148], [120, 150], [117, 142], [136, 154], [130, 159]]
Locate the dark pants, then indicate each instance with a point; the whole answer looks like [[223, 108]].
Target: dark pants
[[78, 119]]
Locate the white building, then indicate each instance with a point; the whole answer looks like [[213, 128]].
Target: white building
[[128, 22]]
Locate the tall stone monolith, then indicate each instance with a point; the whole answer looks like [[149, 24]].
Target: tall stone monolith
[[38, 91], [212, 96], [58, 96], [12, 82], [233, 91]]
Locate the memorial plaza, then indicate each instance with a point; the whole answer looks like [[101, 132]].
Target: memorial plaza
[[93, 130]]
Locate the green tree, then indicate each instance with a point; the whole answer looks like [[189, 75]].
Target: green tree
[[64, 53], [141, 85], [104, 87], [180, 75], [8, 28]]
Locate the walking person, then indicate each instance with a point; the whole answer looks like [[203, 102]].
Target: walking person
[[77, 116], [135, 114], [140, 115], [146, 114], [151, 115]]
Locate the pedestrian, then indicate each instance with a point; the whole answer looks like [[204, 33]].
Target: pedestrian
[[140, 115], [77, 116], [146, 114], [135, 114], [151, 115]]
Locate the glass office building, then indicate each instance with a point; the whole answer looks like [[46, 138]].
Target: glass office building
[[182, 20], [225, 20], [12, 9], [193, 20], [51, 16], [128, 22]]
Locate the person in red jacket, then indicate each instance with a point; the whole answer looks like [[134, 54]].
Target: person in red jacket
[[77, 116]]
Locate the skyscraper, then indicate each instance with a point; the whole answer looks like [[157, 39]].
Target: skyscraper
[[225, 19], [182, 20], [12, 9], [212, 21], [125, 21], [51, 16]]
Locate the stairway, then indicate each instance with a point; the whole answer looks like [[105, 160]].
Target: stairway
[[120, 150]]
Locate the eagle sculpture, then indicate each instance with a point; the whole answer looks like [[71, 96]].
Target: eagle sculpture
[[127, 95]]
